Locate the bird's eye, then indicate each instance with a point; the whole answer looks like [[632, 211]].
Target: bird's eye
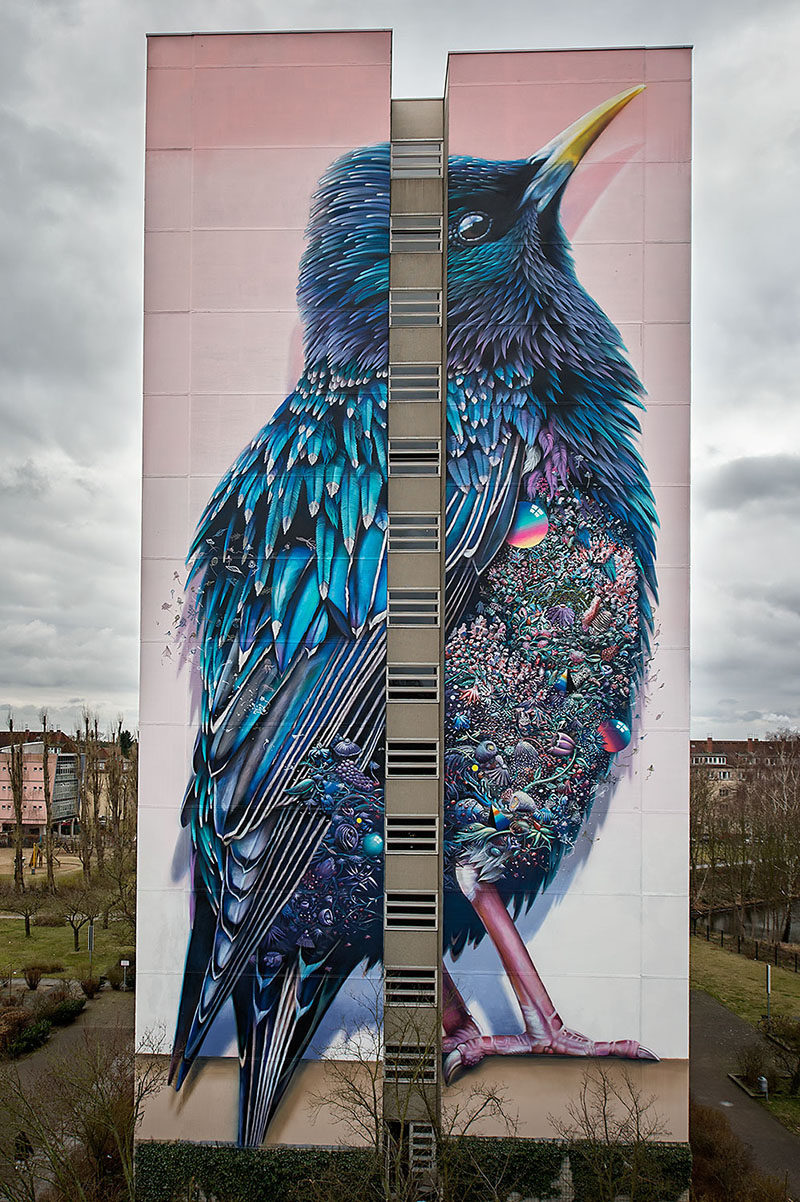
[[474, 227]]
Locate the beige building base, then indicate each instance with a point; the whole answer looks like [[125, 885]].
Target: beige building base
[[538, 1090]]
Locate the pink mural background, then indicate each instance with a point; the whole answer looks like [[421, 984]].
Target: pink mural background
[[239, 130], [609, 935]]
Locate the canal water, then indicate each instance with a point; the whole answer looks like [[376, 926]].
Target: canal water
[[759, 923]]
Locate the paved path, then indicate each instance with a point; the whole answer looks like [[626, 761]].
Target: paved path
[[717, 1036], [109, 1010]]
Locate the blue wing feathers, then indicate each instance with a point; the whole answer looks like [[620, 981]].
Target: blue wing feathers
[[289, 572]]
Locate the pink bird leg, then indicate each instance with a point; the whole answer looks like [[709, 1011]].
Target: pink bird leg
[[544, 1031]]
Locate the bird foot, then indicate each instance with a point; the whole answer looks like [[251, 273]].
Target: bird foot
[[464, 1034], [562, 1042]]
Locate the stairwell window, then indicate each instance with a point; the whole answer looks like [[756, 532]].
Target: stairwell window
[[414, 158], [411, 911], [422, 1148], [412, 682], [409, 1148], [414, 456], [408, 1063], [415, 307], [410, 986], [412, 759], [414, 532], [416, 233], [412, 834], [415, 382], [413, 607]]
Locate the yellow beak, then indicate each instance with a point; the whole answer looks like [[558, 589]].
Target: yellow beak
[[560, 157]]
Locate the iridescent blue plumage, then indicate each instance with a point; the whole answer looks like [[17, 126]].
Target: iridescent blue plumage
[[550, 568], [289, 568], [285, 806], [541, 405]]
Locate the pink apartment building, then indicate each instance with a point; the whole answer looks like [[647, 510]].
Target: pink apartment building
[[63, 774]]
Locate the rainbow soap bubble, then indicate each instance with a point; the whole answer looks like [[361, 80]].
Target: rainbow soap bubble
[[530, 525], [614, 734]]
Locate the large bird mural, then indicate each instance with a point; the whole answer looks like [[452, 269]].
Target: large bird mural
[[550, 584]]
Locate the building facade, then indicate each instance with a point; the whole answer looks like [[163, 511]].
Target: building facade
[[728, 764], [62, 768], [414, 720]]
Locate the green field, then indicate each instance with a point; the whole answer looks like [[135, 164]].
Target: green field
[[56, 944], [739, 983]]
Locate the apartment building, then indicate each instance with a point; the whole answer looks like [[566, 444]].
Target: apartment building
[[730, 763], [425, 734], [62, 769]]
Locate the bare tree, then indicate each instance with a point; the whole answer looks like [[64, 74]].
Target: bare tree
[[783, 1032], [85, 841], [704, 844], [119, 872], [736, 825], [49, 853], [16, 774], [94, 781], [27, 905], [610, 1131], [79, 905], [745, 847], [388, 1109], [70, 1135], [774, 791]]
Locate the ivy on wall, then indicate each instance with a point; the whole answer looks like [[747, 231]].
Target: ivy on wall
[[187, 1172]]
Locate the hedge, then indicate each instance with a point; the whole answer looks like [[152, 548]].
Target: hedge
[[664, 1171], [225, 1173], [179, 1172]]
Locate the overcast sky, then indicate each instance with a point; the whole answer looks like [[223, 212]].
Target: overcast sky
[[72, 93]]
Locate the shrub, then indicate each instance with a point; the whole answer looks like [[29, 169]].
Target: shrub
[[48, 968], [174, 1172], [66, 1012], [750, 1062], [722, 1166], [33, 975], [90, 986], [13, 1021], [49, 918], [29, 1039], [45, 1002], [754, 1061], [114, 976], [59, 1007]]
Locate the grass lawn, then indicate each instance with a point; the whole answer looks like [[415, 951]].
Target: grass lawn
[[56, 944], [740, 984], [787, 1111]]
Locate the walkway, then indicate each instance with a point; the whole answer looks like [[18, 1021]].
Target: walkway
[[110, 1010], [717, 1037]]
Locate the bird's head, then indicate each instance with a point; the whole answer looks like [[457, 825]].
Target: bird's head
[[343, 285], [512, 294]]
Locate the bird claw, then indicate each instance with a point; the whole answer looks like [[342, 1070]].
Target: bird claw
[[566, 1042], [453, 1066], [454, 1039], [562, 1042]]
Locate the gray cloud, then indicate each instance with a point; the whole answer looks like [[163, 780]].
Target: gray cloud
[[71, 126], [771, 480], [23, 480]]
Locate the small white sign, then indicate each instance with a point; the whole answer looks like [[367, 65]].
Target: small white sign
[[124, 963]]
